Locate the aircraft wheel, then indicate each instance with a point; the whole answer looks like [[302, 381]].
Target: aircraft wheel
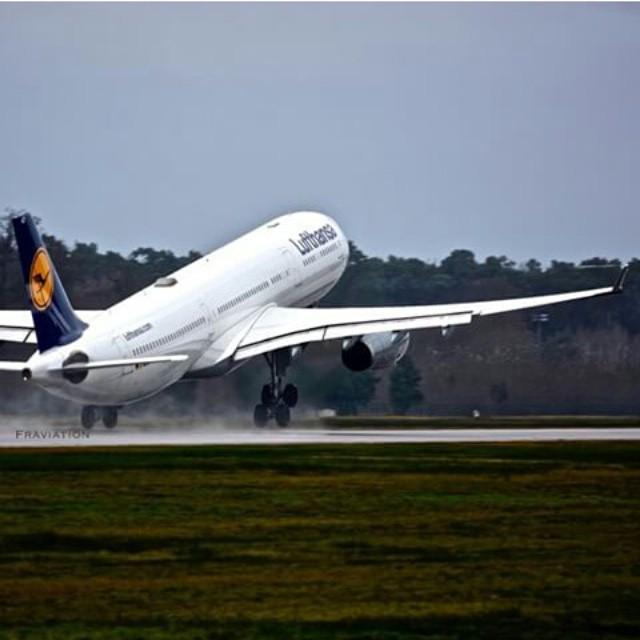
[[290, 395], [88, 417], [260, 415], [110, 417], [266, 397], [283, 415]]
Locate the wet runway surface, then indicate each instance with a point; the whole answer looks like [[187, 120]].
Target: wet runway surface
[[33, 435]]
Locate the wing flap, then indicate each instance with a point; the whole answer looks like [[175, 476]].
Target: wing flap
[[258, 343], [273, 344], [399, 324]]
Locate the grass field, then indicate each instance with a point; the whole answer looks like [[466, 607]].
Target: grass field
[[482, 422], [377, 542]]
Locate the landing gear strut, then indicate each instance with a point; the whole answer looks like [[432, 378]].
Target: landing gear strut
[[276, 399]]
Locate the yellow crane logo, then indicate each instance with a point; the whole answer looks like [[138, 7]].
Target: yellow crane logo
[[41, 280]]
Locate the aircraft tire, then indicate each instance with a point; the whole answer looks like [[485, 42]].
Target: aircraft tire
[[88, 417], [282, 415], [110, 417], [290, 395], [260, 415]]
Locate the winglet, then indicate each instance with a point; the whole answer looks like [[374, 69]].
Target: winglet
[[619, 285]]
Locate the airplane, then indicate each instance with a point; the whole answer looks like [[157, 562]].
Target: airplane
[[256, 296]]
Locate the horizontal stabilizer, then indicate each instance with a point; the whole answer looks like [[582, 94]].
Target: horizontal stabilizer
[[123, 362], [17, 325], [12, 366]]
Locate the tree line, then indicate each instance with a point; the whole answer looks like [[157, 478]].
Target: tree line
[[581, 357]]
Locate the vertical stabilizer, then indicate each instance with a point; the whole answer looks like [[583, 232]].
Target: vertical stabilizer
[[54, 320]]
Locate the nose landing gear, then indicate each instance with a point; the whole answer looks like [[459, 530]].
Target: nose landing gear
[[276, 400]]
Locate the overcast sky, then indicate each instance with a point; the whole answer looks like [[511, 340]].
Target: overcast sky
[[504, 129]]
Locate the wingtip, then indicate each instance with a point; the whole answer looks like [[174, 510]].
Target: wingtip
[[619, 285]]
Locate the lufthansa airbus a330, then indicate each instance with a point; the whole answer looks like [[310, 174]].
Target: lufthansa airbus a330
[[256, 296]]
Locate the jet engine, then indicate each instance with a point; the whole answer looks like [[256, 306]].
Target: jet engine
[[375, 351]]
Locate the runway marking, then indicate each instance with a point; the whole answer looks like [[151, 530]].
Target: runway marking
[[132, 436]]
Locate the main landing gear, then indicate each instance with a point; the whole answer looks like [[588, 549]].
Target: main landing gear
[[277, 399], [90, 415]]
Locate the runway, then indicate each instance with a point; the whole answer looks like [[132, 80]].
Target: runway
[[32, 435]]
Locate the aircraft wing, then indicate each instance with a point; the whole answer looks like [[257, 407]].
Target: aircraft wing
[[17, 325], [279, 327]]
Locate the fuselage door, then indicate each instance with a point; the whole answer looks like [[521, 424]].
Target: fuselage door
[[124, 350], [293, 267], [210, 317]]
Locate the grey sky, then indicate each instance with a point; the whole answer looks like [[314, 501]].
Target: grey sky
[[504, 129]]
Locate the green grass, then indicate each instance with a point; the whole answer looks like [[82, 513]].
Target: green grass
[[367, 541], [493, 422]]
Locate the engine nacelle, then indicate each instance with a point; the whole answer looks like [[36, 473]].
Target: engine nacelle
[[375, 351]]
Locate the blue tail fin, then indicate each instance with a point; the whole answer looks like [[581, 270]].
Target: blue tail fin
[[53, 317]]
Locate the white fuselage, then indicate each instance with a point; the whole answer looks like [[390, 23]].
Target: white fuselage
[[202, 310]]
